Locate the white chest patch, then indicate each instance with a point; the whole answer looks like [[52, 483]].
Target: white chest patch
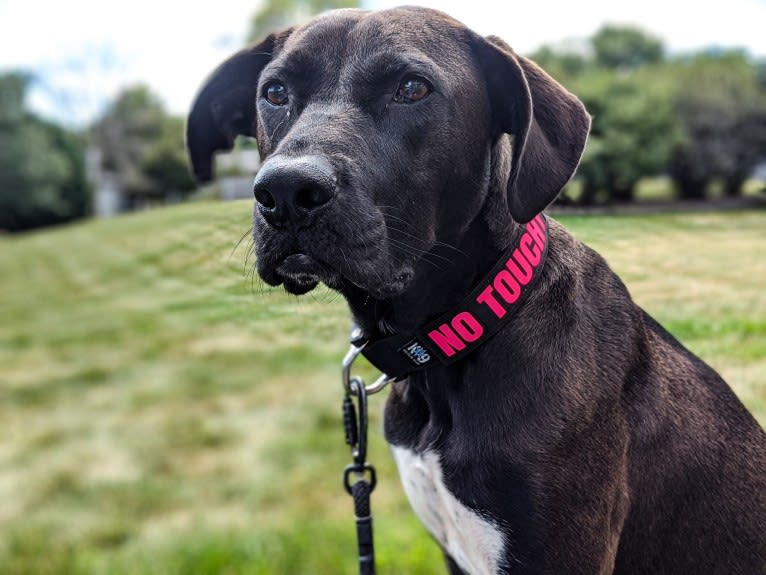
[[475, 543]]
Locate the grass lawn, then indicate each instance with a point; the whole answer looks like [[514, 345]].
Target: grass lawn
[[164, 413]]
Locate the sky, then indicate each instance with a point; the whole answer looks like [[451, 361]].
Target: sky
[[82, 52]]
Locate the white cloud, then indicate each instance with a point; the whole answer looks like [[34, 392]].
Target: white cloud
[[85, 50]]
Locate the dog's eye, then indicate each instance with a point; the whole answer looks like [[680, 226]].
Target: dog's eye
[[412, 90], [276, 93]]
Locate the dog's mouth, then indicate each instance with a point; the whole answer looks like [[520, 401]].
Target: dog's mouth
[[300, 273], [340, 258]]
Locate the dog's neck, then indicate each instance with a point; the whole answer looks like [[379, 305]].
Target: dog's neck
[[437, 287]]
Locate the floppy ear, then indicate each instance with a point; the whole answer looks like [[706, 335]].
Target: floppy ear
[[225, 105], [549, 126]]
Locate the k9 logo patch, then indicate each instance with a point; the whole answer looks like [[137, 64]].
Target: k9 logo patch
[[416, 352]]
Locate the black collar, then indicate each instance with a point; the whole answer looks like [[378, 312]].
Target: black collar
[[460, 331]]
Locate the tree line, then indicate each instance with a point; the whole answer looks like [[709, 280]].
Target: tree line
[[699, 119], [42, 165], [43, 178]]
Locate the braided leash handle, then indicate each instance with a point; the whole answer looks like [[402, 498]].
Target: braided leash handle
[[361, 493]]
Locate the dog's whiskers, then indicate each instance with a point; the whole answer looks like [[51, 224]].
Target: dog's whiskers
[[422, 252], [248, 233], [250, 252], [357, 233], [416, 253], [402, 220]]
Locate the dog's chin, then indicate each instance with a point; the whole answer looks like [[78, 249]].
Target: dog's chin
[[300, 273], [299, 285]]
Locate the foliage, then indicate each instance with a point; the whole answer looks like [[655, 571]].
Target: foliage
[[165, 161], [634, 128], [700, 119], [625, 47], [564, 64], [144, 146], [42, 165], [721, 106], [633, 133], [277, 14], [163, 414]]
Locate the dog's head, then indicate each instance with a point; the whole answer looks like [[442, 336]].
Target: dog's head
[[380, 134]]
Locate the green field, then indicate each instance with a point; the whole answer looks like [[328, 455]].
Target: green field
[[162, 412]]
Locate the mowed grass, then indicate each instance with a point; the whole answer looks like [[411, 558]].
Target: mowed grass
[[163, 412]]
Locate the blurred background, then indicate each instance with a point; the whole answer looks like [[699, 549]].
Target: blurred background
[[165, 412], [93, 97]]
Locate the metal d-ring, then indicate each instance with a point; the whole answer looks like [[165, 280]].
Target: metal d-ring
[[348, 360], [379, 384]]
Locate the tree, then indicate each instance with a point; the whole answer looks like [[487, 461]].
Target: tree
[[143, 146], [633, 134], [165, 161], [278, 14], [563, 64], [633, 129], [721, 102], [625, 47], [700, 119], [42, 165]]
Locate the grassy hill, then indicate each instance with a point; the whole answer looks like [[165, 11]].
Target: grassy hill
[[164, 412]]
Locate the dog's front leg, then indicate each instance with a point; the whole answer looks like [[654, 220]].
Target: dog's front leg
[[583, 498], [562, 502]]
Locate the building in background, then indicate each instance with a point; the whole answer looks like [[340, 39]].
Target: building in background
[[234, 180]]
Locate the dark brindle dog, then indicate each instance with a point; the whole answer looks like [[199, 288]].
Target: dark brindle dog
[[403, 152]]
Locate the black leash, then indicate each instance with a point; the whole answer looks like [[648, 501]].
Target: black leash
[[359, 478], [355, 424]]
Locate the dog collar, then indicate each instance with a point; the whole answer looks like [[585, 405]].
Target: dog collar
[[460, 331]]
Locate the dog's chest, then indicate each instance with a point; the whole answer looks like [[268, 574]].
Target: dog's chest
[[474, 542]]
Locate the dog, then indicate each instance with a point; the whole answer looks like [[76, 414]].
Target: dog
[[405, 158]]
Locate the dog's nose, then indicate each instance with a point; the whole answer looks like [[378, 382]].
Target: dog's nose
[[289, 190]]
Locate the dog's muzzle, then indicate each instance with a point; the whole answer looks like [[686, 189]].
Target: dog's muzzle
[[290, 191]]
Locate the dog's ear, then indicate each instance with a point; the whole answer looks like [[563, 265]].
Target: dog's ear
[[225, 105], [549, 126]]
